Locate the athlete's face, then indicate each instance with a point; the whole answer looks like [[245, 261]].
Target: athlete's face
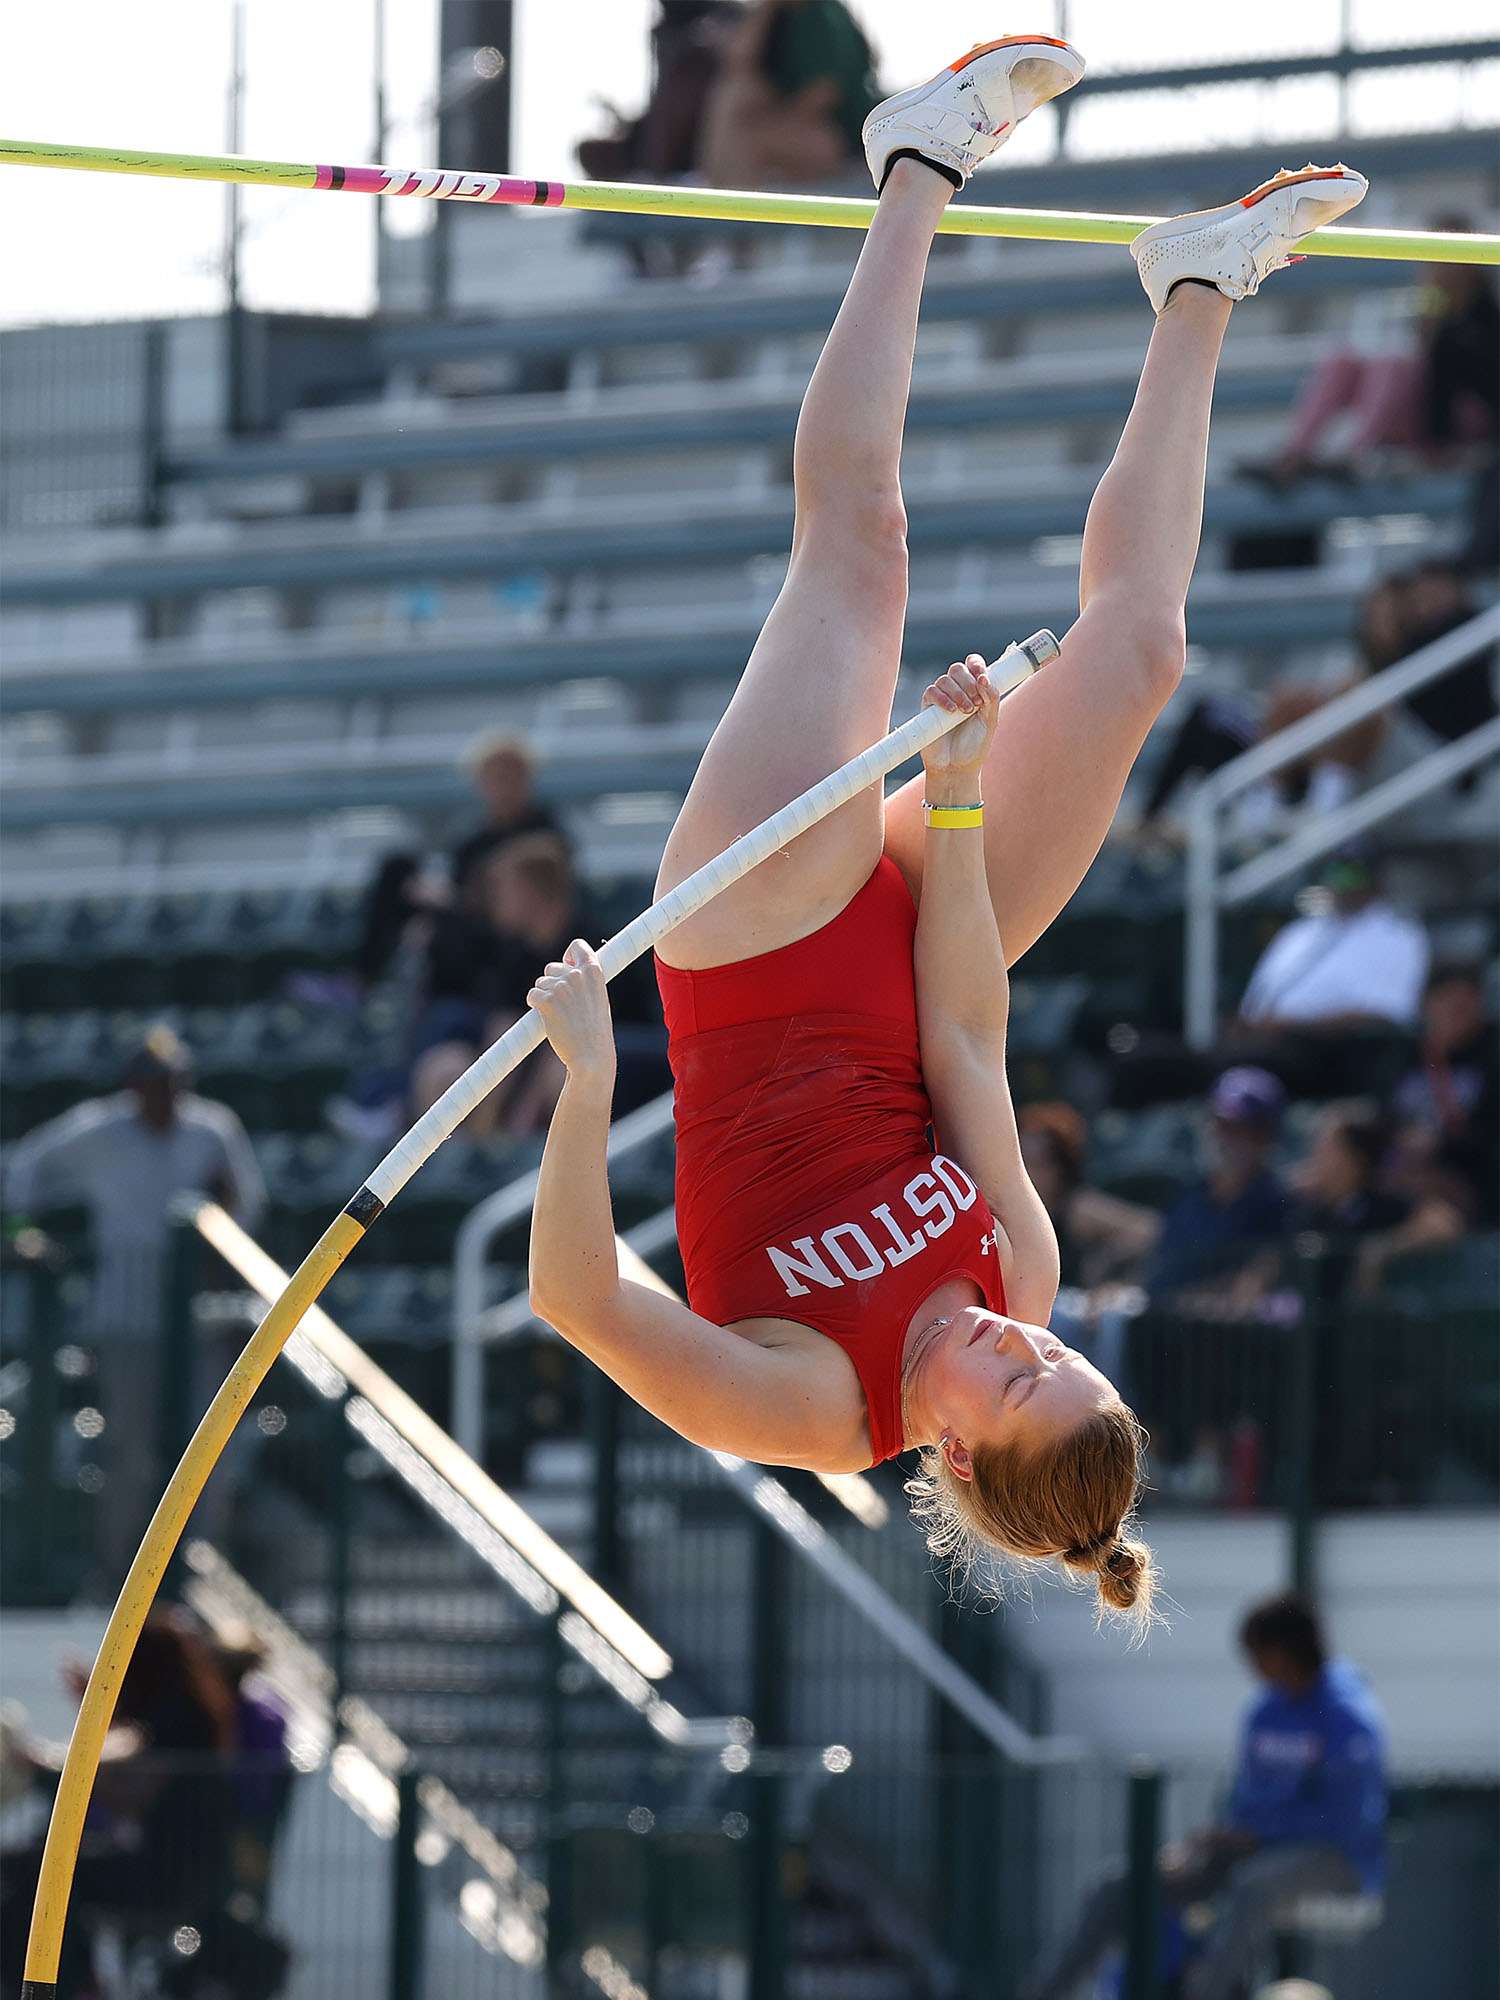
[[991, 1381]]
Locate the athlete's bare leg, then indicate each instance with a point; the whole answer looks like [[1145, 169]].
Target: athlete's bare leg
[[1068, 738], [819, 684]]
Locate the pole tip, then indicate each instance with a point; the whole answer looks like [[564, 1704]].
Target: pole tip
[[1041, 648]]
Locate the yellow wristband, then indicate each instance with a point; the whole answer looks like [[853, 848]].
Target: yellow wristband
[[943, 816]]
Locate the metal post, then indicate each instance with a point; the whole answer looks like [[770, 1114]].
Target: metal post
[[1143, 1887], [604, 1427], [340, 1554], [1200, 996], [175, 1356], [174, 1409], [153, 422], [768, 1673], [1346, 39], [559, 1888], [234, 313], [406, 1896], [1303, 1417], [377, 34], [969, 1861], [38, 1510]]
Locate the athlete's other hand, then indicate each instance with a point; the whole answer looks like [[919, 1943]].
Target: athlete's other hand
[[573, 1001], [966, 689]]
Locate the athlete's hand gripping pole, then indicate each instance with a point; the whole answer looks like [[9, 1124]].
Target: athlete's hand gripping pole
[[44, 1948]]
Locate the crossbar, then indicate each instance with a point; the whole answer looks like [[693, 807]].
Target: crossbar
[[710, 204]]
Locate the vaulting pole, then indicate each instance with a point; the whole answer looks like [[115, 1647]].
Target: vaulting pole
[[712, 204], [44, 1947]]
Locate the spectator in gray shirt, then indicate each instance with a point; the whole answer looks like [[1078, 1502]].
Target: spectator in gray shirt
[[124, 1158]]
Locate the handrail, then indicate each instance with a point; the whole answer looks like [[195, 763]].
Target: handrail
[[1208, 892], [502, 1533], [600, 1630], [1391, 684], [475, 1233], [1439, 767]]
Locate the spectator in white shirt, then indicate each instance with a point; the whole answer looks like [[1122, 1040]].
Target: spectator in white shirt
[[1332, 1008], [1357, 962]]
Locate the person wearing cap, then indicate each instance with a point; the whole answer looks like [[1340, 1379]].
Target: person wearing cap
[[1354, 964], [1221, 1234], [124, 1158]]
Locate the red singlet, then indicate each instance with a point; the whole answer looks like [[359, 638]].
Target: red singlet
[[806, 1186]]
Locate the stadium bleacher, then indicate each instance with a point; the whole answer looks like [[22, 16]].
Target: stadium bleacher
[[240, 670]]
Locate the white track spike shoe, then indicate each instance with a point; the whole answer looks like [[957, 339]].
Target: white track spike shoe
[[961, 115], [1235, 247]]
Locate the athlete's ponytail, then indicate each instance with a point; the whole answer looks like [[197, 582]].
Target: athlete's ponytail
[[1071, 1500]]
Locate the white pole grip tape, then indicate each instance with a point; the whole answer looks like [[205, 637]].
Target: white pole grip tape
[[1016, 664]]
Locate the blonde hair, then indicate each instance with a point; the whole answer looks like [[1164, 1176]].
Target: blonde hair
[[495, 743], [1071, 1500]]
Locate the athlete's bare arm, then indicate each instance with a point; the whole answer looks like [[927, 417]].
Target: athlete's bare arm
[[963, 1003], [792, 1400]]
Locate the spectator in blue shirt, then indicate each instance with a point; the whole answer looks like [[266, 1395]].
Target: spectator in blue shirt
[[1220, 1236], [1306, 1814]]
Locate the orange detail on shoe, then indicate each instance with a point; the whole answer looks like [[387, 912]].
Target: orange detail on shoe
[[1007, 42], [1286, 179]]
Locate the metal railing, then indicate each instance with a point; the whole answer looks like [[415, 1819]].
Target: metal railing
[[796, 1568], [1209, 892], [869, 1769], [472, 1326], [452, 1486]]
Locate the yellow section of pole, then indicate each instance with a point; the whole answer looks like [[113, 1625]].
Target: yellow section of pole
[[160, 166], [59, 1858], [704, 204]]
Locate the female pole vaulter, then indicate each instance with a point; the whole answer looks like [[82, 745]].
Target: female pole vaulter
[[858, 1288]]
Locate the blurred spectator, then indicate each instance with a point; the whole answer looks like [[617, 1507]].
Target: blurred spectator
[[1101, 1238], [665, 142], [1420, 374], [394, 900], [1330, 1009], [1399, 616], [1340, 1198], [517, 911], [1410, 612], [501, 768], [1447, 1108], [1219, 728], [1219, 1246], [124, 1158], [513, 912], [1357, 961], [156, 1839], [792, 92], [1306, 1813], [262, 1764]]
